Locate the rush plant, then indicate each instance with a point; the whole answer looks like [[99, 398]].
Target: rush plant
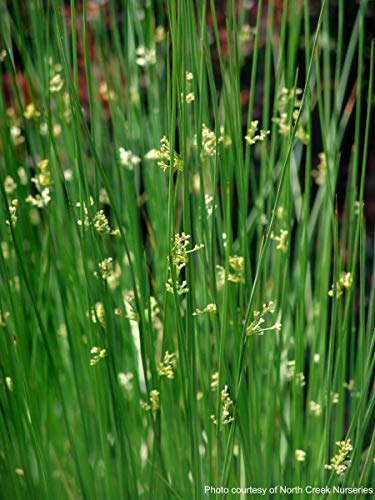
[[186, 275]]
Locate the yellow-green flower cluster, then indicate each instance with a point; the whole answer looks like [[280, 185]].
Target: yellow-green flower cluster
[[100, 221], [43, 179], [214, 381], [254, 135], [349, 385], [163, 156], [292, 376], [128, 159], [181, 288], [300, 455], [56, 129], [101, 224], [246, 34], [16, 135], [31, 113], [98, 314], [9, 383], [208, 142], [3, 318], [341, 461], [43, 183], [86, 221], [208, 200], [226, 413], [13, 215], [344, 283], [145, 56], [179, 250], [98, 353], [210, 308], [335, 398], [106, 268], [282, 240], [290, 97], [315, 409], [179, 256], [320, 173], [237, 263], [189, 96], [9, 184], [225, 138], [106, 93], [159, 34], [167, 366], [67, 107], [237, 268], [125, 380], [56, 82], [154, 401], [256, 326], [15, 127]]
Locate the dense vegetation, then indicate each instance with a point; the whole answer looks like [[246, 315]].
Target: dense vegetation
[[186, 282]]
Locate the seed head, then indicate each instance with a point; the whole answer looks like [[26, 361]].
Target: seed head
[[98, 353], [300, 455], [341, 461], [167, 366]]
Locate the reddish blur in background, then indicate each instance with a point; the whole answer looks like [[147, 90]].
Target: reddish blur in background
[[251, 6]]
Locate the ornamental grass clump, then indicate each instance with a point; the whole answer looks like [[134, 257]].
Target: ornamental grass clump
[[187, 275]]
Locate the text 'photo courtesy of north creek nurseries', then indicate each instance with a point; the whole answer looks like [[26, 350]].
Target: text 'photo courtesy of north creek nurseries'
[[187, 249]]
